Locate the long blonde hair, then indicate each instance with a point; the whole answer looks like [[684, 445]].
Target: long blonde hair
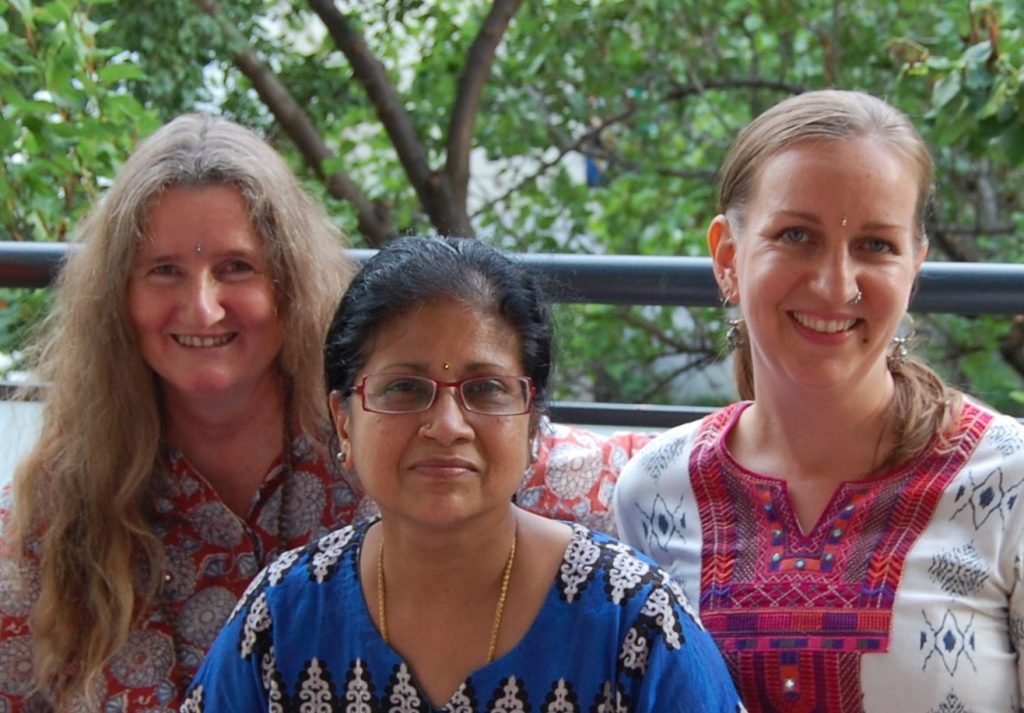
[[83, 490], [924, 405]]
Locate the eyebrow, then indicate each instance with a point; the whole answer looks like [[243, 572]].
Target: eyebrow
[[423, 368], [812, 218], [229, 254], [809, 217]]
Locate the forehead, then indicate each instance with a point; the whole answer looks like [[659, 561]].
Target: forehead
[[824, 172], [447, 329], [216, 216]]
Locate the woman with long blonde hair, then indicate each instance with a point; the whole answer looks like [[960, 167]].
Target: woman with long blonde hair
[[181, 441]]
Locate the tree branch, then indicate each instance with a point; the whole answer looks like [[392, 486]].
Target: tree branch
[[676, 345], [299, 127], [371, 75], [954, 246], [565, 148], [664, 380], [469, 93], [682, 91]]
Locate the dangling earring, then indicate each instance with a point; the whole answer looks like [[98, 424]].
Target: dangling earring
[[534, 449], [736, 336], [900, 351]]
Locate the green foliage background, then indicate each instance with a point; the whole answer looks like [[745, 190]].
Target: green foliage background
[[651, 91]]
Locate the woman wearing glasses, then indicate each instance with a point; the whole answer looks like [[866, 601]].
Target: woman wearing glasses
[[437, 364]]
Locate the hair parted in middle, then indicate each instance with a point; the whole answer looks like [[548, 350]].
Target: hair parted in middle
[[413, 271], [85, 485]]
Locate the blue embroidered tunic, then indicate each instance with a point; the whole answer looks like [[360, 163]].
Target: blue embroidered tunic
[[615, 633]]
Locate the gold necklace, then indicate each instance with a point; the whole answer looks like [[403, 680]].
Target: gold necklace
[[506, 577]]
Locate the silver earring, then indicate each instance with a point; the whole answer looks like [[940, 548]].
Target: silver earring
[[735, 337], [900, 351], [341, 455], [856, 299], [534, 449], [898, 356]]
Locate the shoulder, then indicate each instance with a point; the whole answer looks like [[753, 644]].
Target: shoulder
[[603, 568], [1002, 432], [670, 450], [682, 438], [982, 440], [298, 570]]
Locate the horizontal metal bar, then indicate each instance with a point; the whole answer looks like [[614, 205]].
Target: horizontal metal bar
[[30, 264], [953, 288], [625, 415], [634, 416]]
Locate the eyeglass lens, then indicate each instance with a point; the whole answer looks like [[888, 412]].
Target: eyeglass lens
[[496, 395]]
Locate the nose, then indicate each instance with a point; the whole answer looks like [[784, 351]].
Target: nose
[[204, 299], [836, 275], [445, 420]]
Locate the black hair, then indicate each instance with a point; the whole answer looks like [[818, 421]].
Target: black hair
[[412, 271]]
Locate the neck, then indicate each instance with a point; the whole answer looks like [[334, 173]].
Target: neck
[[193, 419], [230, 440], [440, 563], [502, 594], [842, 434]]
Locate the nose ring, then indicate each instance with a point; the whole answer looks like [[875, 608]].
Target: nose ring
[[856, 298]]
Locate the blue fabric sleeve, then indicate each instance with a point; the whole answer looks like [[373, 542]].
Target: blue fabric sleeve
[[227, 681], [691, 678]]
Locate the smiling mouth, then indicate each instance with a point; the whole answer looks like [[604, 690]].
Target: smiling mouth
[[825, 326], [192, 342]]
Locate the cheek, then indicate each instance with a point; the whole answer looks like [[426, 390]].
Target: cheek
[[512, 436], [145, 310], [373, 438], [258, 304]]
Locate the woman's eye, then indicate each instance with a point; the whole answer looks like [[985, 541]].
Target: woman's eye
[[486, 387], [235, 269], [877, 245], [238, 266], [163, 270], [404, 386], [795, 235]]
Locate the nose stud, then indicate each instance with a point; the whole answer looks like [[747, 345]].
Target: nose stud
[[199, 248], [856, 298]]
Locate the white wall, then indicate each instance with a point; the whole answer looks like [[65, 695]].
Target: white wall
[[19, 427]]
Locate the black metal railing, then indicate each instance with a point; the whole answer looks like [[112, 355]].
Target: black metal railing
[[952, 288]]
